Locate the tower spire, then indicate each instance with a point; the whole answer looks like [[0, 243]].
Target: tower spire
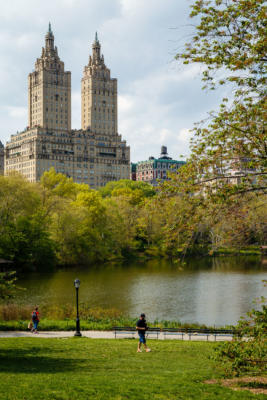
[[96, 59], [49, 39]]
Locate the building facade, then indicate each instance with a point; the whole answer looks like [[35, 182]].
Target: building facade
[[232, 172], [154, 169], [133, 171], [94, 154]]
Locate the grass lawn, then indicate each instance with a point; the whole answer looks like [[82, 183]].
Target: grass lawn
[[81, 368]]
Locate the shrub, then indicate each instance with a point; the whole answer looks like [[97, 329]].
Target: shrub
[[247, 353], [15, 312]]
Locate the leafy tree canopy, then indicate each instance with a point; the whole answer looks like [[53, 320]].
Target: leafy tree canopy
[[144, 187], [230, 37], [229, 42], [60, 185]]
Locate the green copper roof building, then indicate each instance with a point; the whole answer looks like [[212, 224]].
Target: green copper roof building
[[154, 169]]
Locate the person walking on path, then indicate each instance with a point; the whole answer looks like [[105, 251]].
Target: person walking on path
[[35, 319], [142, 327]]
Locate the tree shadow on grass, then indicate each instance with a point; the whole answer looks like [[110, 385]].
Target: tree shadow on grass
[[27, 361]]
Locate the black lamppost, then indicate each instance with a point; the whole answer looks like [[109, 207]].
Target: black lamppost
[[77, 285]]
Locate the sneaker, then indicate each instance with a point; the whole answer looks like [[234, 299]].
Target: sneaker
[[139, 351], [148, 350]]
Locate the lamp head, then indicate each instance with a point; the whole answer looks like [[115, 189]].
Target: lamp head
[[77, 283]]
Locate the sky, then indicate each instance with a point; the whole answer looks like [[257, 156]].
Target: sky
[[159, 99]]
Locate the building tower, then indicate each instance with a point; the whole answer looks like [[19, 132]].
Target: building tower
[[95, 154], [49, 90], [99, 95]]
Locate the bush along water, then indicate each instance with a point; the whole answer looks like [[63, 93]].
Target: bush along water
[[247, 353], [53, 317]]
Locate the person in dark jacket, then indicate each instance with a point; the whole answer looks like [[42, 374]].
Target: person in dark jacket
[[142, 327], [35, 319]]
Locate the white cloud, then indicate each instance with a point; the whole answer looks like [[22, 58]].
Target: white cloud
[[17, 112], [159, 100], [125, 103], [184, 135], [153, 112]]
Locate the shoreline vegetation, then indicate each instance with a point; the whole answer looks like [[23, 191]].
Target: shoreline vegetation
[[57, 222], [62, 318], [100, 325], [199, 251]]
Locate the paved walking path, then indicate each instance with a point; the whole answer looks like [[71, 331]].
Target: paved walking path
[[105, 335]]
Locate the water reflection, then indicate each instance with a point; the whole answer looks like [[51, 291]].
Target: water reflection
[[212, 291]]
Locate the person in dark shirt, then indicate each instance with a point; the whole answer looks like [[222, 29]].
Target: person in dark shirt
[[141, 327]]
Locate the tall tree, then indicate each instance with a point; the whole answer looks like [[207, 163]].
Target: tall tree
[[229, 41], [23, 224]]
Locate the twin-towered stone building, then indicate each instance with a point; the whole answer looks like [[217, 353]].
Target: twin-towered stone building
[[95, 154]]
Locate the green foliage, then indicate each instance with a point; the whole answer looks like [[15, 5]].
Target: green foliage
[[30, 243], [60, 222], [229, 42], [145, 188], [23, 224], [7, 284], [240, 357], [217, 192], [79, 230], [60, 185], [247, 353], [230, 35]]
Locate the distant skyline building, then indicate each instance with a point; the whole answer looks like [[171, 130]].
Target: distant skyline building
[[133, 171], [94, 154], [154, 169]]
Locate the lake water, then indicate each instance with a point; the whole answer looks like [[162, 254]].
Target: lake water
[[214, 291]]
